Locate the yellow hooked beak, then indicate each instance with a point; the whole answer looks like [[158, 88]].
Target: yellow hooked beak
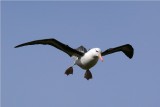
[[100, 57]]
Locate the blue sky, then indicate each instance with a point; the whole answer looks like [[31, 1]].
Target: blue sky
[[33, 76]]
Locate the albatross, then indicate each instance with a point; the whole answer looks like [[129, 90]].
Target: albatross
[[84, 58]]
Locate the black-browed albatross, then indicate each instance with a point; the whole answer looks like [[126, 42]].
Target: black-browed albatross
[[83, 58]]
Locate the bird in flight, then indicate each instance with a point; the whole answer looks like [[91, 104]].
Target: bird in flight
[[83, 58]]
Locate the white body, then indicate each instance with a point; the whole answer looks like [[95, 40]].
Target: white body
[[89, 59]]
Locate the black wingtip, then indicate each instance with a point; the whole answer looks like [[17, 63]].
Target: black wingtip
[[128, 51], [17, 46], [24, 44]]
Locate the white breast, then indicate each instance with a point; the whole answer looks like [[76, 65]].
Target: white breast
[[87, 61]]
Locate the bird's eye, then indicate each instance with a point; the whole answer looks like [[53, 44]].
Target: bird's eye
[[96, 51]]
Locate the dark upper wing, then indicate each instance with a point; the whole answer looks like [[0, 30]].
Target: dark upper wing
[[53, 42], [126, 49], [82, 49]]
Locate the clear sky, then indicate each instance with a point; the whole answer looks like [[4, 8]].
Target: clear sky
[[33, 76]]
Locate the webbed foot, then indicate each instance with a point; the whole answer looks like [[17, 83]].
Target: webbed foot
[[69, 71], [88, 75]]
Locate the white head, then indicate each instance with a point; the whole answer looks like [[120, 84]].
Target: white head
[[96, 52]]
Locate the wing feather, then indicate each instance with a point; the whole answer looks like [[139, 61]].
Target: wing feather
[[55, 43], [126, 49]]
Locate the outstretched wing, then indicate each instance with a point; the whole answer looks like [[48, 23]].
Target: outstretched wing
[[126, 49], [55, 43]]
